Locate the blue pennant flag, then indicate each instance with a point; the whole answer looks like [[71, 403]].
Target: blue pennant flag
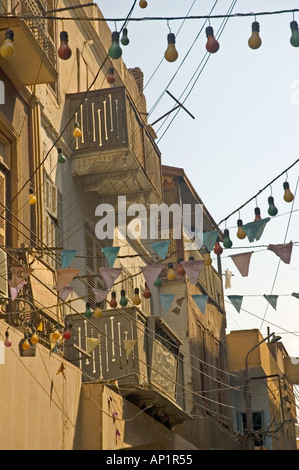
[[236, 300], [66, 258], [161, 248], [111, 253], [272, 299], [209, 239], [166, 300], [254, 230], [201, 302]]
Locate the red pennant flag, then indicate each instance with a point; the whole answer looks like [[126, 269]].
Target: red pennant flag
[[283, 251]]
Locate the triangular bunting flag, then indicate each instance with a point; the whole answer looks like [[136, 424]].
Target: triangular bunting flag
[[64, 276], [67, 257], [63, 293], [161, 248], [166, 300], [201, 302], [294, 294], [209, 239], [272, 299], [111, 253], [242, 261], [19, 274], [254, 230], [192, 269], [150, 274], [109, 275], [91, 344], [236, 300], [129, 345], [14, 291], [61, 369], [100, 294], [284, 251], [228, 275]]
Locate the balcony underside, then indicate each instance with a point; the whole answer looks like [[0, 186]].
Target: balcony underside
[[30, 64]]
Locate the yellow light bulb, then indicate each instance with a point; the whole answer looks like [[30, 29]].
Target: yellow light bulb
[[26, 345], [56, 335], [97, 311], [171, 274], [32, 198], [136, 299], [254, 42], [34, 338], [241, 234], [7, 49], [77, 131], [171, 54], [143, 3], [207, 259], [288, 195]]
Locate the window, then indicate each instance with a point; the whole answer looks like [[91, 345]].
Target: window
[[93, 262], [257, 424], [52, 202], [3, 257]]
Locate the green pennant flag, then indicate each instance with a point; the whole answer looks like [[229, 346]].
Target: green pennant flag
[[201, 302], [161, 248], [111, 253], [209, 239], [236, 300], [166, 300], [272, 299], [254, 230]]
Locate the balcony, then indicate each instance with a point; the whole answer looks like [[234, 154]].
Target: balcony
[[149, 374], [35, 59], [116, 154]]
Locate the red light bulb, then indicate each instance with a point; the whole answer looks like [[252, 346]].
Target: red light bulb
[[111, 78], [64, 51], [212, 44], [257, 214], [180, 270], [147, 293], [218, 248], [67, 334], [113, 302], [7, 341]]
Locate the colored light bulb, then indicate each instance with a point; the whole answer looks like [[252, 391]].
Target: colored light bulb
[[257, 212], [143, 3], [136, 299], [7, 341], [227, 243], [288, 195], [34, 338], [124, 39], [64, 51], [272, 210], [180, 270], [60, 156], [67, 334], [111, 78], [113, 301], [171, 275], [254, 42], [7, 49], [32, 198], [123, 300], [212, 44], [56, 334], [114, 50], [77, 131], [147, 293], [294, 39], [25, 345], [241, 234], [88, 312], [158, 282], [218, 250], [97, 311], [207, 259], [171, 54]]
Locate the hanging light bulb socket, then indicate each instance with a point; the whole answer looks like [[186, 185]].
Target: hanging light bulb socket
[[254, 42], [272, 210], [7, 49], [294, 39], [115, 51], [64, 51], [171, 54], [124, 39], [288, 195], [212, 44]]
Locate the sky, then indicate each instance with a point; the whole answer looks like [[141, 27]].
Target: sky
[[244, 135]]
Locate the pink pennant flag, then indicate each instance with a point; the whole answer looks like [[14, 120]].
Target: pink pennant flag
[[14, 291], [19, 273], [283, 251], [100, 294], [63, 293], [64, 276], [151, 273], [242, 261], [110, 275], [192, 269]]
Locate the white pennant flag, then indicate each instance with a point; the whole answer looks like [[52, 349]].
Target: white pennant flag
[[129, 345]]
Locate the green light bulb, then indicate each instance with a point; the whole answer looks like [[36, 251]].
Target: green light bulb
[[125, 40], [123, 300], [61, 157], [294, 39], [272, 210], [88, 312], [115, 51], [227, 243], [158, 282]]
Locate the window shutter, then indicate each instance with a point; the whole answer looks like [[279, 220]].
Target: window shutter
[[3, 256]]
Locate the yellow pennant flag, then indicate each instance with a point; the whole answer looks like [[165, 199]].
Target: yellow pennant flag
[[129, 345]]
